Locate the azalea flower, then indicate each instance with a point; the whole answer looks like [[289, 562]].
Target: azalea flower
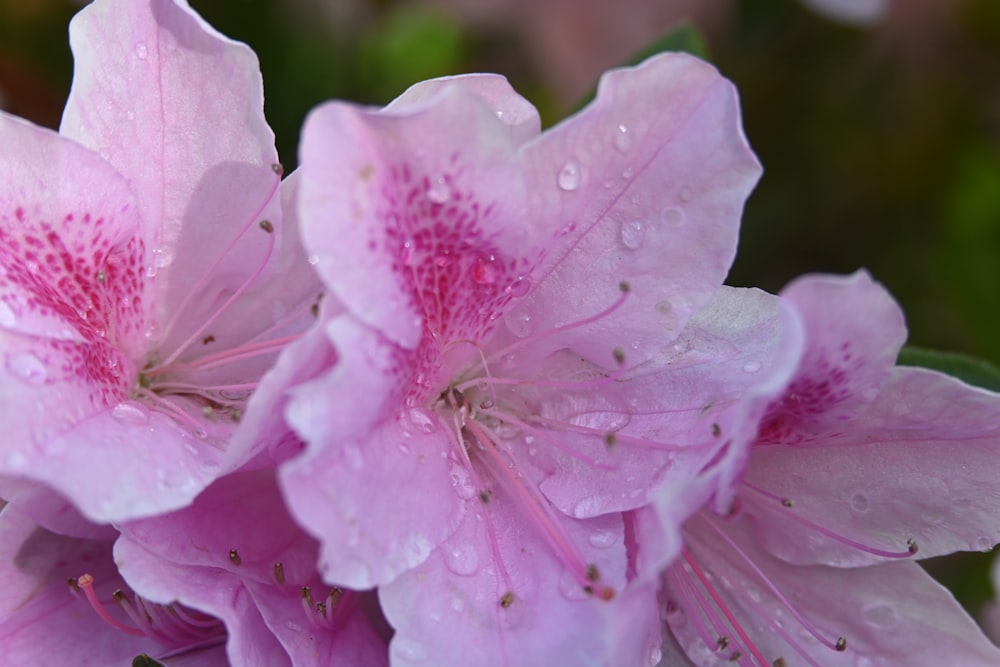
[[138, 250], [857, 468], [512, 369]]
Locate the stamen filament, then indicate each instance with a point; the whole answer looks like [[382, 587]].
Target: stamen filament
[[247, 351], [86, 584], [618, 436], [786, 505]]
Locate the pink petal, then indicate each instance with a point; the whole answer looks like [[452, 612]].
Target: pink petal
[[645, 185]]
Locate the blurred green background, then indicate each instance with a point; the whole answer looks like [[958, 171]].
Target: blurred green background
[[881, 144]]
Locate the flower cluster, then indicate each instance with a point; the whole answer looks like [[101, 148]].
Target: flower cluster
[[456, 391]]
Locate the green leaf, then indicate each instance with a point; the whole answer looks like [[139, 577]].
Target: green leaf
[[143, 660], [968, 369], [684, 37]]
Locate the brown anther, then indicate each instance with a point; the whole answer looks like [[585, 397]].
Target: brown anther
[[277, 168], [624, 287], [73, 586], [208, 339], [716, 430], [207, 412], [911, 546], [778, 662], [589, 590], [507, 599], [307, 595], [841, 644], [333, 599], [610, 440], [234, 557], [266, 226], [485, 496], [619, 355], [593, 574], [314, 310], [101, 276], [321, 609], [735, 656], [279, 572], [722, 643], [118, 595], [787, 502]]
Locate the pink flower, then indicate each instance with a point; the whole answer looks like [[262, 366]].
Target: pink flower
[[513, 367], [46, 617], [138, 255], [857, 468], [236, 553]]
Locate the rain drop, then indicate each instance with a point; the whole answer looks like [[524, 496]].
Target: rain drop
[[130, 412], [462, 559], [881, 615], [569, 176], [457, 604], [984, 544], [437, 190], [751, 367], [623, 139], [27, 366], [632, 234], [422, 420], [408, 649], [141, 50], [130, 115], [602, 539], [519, 287], [313, 259], [519, 322], [859, 502], [462, 481], [673, 217]]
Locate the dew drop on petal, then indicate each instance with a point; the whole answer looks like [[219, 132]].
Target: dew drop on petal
[[519, 322], [437, 190], [984, 544], [602, 539], [462, 558], [881, 615], [130, 115], [623, 139], [422, 420], [28, 367], [457, 604], [141, 51], [569, 176], [859, 502], [519, 287], [462, 481], [313, 259], [484, 272], [673, 217], [130, 412], [632, 234], [751, 367], [408, 649]]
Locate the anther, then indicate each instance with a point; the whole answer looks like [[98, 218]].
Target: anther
[[208, 339], [722, 644], [307, 596], [507, 599], [277, 168], [779, 662], [624, 286], [911, 546], [279, 572], [619, 355], [485, 497], [143, 660], [266, 226], [487, 404], [321, 610], [593, 574], [841, 644], [101, 276], [787, 502], [333, 599], [610, 440], [716, 430], [73, 586], [234, 557]]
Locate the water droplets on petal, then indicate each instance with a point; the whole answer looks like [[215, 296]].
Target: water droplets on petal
[[519, 322], [751, 367], [881, 615], [409, 649], [130, 412], [632, 234], [462, 558], [569, 176], [602, 539], [623, 139], [672, 217], [438, 190], [519, 287], [28, 367], [141, 51], [859, 502]]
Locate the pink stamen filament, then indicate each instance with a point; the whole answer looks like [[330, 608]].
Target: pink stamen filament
[[500, 354], [618, 436], [693, 606], [86, 584], [724, 608], [805, 623], [837, 537], [543, 435], [197, 287], [556, 384], [247, 351], [538, 509], [173, 410], [202, 390]]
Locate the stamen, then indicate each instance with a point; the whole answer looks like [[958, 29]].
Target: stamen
[[279, 572], [506, 600], [234, 557], [538, 509], [86, 584], [266, 226], [911, 544], [500, 354], [224, 357], [619, 437]]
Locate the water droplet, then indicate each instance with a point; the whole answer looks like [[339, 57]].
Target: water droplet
[[602, 539], [673, 217], [859, 502], [313, 259], [408, 649], [632, 234], [27, 366], [294, 627], [623, 139], [589, 506], [569, 176], [520, 322], [457, 604], [655, 656], [130, 115], [130, 412], [686, 194], [438, 190], [484, 272], [881, 615], [17, 461], [7, 316], [462, 558], [751, 367], [141, 50], [462, 481], [984, 544], [519, 287], [422, 420], [566, 229]]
